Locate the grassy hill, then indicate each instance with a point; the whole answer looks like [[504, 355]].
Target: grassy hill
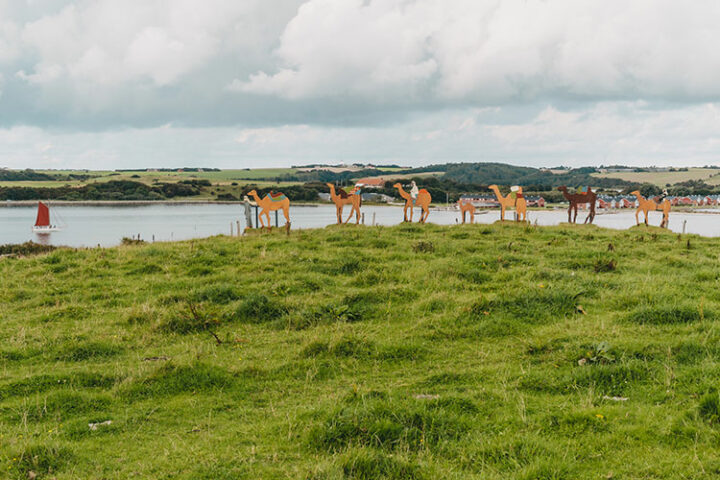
[[410, 352]]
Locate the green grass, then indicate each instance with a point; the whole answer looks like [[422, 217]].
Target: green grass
[[410, 352], [708, 175]]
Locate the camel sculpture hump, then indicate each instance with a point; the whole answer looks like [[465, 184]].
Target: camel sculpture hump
[[277, 196]]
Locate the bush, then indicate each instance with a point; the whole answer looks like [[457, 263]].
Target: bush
[[27, 248]]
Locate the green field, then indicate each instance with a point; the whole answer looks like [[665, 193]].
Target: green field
[[409, 352], [222, 178], [222, 181], [708, 175]]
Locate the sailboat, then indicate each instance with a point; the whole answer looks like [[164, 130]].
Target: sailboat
[[42, 223]]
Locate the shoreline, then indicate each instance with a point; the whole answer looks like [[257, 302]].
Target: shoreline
[[126, 203], [143, 203]]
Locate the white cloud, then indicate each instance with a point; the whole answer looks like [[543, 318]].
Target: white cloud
[[490, 52], [108, 43]]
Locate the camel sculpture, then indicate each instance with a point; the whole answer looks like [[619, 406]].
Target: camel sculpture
[[576, 199], [423, 201], [342, 198], [271, 202], [467, 207], [646, 205], [508, 201]]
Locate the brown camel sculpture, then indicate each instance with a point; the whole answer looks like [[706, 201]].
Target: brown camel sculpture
[[423, 201], [646, 205], [271, 202], [342, 199], [576, 199], [519, 203], [467, 207]]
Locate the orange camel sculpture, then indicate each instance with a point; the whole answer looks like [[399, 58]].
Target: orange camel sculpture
[[423, 201], [467, 207], [271, 202], [519, 203], [576, 199], [343, 199], [646, 205]]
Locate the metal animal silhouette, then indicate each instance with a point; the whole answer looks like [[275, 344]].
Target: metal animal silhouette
[[342, 198], [645, 205], [517, 201], [423, 201], [577, 199], [273, 201], [469, 208]]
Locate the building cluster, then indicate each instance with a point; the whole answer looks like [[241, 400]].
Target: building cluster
[[629, 201]]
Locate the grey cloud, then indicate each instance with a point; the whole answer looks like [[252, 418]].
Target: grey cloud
[[241, 83]]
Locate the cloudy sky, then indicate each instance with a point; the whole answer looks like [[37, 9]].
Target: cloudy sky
[[251, 83]]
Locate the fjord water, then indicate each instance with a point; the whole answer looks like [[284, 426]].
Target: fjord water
[[89, 226]]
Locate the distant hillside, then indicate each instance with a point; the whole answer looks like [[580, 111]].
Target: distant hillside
[[23, 176], [503, 174]]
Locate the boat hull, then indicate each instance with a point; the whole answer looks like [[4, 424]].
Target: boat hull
[[43, 230]]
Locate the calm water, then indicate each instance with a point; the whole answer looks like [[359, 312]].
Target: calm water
[[92, 226]]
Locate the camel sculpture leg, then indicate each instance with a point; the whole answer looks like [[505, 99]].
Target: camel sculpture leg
[[286, 212], [262, 223], [591, 214], [338, 212], [666, 214], [356, 210], [424, 214], [412, 209]]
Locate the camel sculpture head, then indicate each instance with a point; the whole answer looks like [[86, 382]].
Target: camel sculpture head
[[636, 193], [330, 185], [397, 185], [251, 193], [562, 188], [491, 187]]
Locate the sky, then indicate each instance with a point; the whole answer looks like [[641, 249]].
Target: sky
[[106, 84]]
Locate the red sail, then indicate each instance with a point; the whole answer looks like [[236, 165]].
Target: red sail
[[43, 216]]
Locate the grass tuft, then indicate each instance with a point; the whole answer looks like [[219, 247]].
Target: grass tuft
[[669, 314]]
